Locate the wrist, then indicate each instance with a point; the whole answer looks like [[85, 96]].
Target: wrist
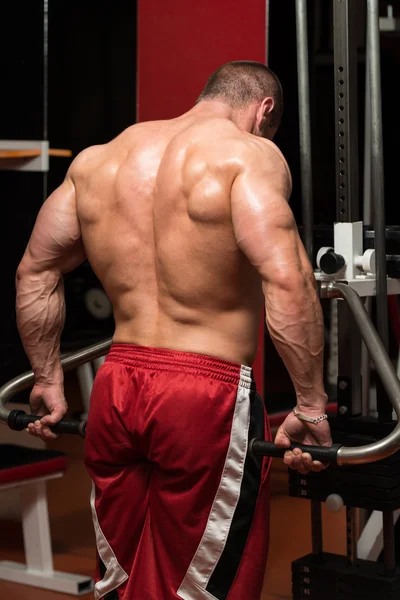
[[312, 406], [55, 378]]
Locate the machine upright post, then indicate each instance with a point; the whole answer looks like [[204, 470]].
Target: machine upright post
[[349, 390], [346, 122], [351, 534], [389, 554], [307, 193], [374, 71], [383, 404], [316, 528], [367, 220], [305, 126], [347, 189], [367, 200], [45, 83]]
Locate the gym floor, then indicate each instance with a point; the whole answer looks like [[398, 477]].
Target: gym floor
[[73, 536]]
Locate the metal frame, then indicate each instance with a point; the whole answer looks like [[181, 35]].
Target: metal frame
[[354, 275], [45, 86], [384, 368], [305, 127], [377, 174], [347, 194]]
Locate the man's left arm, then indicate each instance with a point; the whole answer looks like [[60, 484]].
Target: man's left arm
[[55, 248]]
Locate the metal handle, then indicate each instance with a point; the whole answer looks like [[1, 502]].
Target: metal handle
[[390, 444], [68, 362], [325, 454]]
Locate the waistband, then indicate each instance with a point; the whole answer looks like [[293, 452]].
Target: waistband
[[163, 359]]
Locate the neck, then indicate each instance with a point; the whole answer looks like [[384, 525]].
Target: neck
[[212, 108], [242, 118]]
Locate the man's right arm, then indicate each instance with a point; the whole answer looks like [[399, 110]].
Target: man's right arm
[[266, 232]]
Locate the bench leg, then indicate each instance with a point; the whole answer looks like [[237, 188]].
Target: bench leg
[[36, 528], [38, 570]]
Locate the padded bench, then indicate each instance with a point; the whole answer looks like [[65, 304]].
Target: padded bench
[[28, 469]]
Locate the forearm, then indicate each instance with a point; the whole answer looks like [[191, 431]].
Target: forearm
[[295, 322], [40, 309]]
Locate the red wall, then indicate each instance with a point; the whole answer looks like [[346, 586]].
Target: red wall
[[180, 43]]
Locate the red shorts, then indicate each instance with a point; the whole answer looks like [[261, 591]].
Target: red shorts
[[180, 510]]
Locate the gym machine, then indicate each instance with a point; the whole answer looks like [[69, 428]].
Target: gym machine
[[358, 272]]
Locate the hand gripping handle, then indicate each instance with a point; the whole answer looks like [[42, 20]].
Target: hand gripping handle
[[325, 454], [19, 420]]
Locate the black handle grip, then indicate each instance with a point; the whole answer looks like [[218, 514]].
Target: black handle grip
[[325, 454], [19, 420]]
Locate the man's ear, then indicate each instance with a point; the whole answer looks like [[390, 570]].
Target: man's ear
[[264, 111], [267, 106]]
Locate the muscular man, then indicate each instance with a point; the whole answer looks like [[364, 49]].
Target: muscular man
[[187, 225]]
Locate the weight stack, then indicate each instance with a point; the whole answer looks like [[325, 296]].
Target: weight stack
[[332, 577]]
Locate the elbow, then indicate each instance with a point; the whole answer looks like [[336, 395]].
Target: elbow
[[22, 272], [292, 292], [292, 279], [25, 269], [28, 271]]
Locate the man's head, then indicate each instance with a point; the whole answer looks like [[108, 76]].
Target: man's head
[[253, 92]]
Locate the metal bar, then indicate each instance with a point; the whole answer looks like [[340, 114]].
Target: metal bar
[[349, 364], [45, 85], [367, 200], [389, 555], [365, 370], [45, 67], [351, 533], [316, 527], [373, 40], [345, 63], [267, 2], [305, 127], [385, 369], [367, 220], [68, 362]]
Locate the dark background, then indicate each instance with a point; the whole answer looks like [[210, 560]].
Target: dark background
[[92, 97]]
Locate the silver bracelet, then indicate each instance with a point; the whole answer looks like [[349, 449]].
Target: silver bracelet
[[314, 420]]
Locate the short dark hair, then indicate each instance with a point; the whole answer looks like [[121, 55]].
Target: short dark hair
[[243, 81]]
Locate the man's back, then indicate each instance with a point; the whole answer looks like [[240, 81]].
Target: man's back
[[155, 213]]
